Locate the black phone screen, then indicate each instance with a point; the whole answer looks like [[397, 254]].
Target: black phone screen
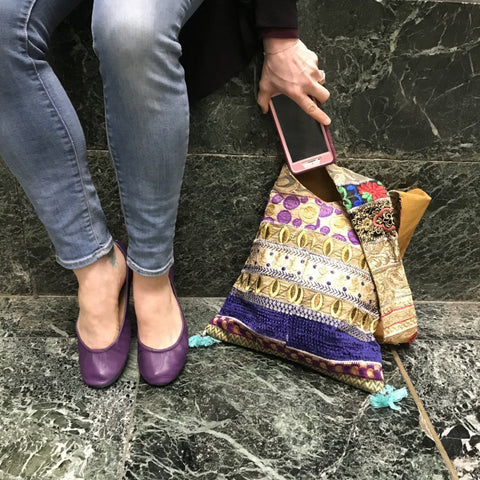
[[303, 134]]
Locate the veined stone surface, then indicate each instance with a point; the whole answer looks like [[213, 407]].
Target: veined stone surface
[[222, 202], [403, 77], [232, 414]]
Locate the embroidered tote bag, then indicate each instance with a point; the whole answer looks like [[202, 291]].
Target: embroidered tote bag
[[324, 282]]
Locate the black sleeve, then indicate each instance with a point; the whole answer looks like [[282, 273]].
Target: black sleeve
[[276, 13]]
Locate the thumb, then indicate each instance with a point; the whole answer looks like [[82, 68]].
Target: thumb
[[262, 100]]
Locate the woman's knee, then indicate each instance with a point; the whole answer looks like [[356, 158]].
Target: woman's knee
[[130, 32], [10, 29], [22, 34]]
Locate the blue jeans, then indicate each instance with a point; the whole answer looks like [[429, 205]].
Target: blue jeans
[[147, 117]]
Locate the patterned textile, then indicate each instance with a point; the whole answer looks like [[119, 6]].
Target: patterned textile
[[323, 281], [374, 223]]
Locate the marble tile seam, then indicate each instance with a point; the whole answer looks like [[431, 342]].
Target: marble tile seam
[[205, 154], [448, 340], [424, 417], [349, 158], [470, 2], [41, 296], [466, 302], [216, 297], [221, 298], [407, 160]]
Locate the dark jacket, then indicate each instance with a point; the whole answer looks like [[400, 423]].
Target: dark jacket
[[221, 37]]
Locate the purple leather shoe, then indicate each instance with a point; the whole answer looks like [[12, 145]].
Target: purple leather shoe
[[101, 367], [162, 366]]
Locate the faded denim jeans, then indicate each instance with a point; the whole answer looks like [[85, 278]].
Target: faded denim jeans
[[147, 118]]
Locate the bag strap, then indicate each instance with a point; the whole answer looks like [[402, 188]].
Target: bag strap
[[373, 219]]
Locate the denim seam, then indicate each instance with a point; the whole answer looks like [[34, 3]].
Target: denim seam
[[113, 154], [110, 145], [83, 262], [150, 273], [114, 160], [52, 103]]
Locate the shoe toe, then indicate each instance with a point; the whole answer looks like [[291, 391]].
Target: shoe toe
[[100, 368], [160, 367]]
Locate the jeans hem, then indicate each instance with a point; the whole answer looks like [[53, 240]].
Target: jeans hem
[[150, 273], [86, 261]]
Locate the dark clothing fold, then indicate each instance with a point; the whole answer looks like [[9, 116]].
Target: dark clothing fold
[[222, 36]]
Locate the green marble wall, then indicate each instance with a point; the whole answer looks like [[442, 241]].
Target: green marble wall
[[405, 99]]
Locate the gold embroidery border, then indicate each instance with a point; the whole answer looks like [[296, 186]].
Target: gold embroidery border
[[404, 332], [314, 242], [291, 293]]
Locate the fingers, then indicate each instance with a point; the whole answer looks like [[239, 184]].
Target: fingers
[[294, 72], [314, 58], [303, 97], [310, 107], [262, 99], [318, 91]]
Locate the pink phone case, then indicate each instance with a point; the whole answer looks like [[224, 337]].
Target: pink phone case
[[309, 163]]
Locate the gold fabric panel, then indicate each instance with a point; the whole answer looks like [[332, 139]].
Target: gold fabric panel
[[399, 325], [331, 306], [381, 255], [412, 205], [314, 242]]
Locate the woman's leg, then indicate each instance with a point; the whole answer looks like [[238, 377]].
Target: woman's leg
[[147, 120], [41, 139], [42, 142]]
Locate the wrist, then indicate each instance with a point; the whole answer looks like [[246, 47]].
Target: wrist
[[277, 32], [272, 46]]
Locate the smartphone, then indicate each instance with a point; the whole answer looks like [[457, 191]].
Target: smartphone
[[307, 143]]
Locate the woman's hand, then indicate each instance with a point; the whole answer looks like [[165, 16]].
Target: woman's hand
[[291, 68]]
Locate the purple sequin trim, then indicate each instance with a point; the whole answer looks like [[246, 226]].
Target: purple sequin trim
[[352, 236], [325, 210], [284, 216], [291, 202]]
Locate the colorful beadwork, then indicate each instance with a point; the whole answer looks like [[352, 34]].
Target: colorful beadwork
[[354, 195], [307, 291]]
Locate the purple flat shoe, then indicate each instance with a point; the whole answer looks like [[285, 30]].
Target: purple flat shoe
[[162, 366], [101, 367]]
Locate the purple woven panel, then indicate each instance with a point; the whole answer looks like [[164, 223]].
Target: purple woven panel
[[317, 338]]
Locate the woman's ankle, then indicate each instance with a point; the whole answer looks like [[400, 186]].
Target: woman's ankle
[[158, 313], [108, 267], [100, 299]]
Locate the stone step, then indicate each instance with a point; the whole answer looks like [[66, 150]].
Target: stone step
[[232, 409], [222, 202], [52, 316]]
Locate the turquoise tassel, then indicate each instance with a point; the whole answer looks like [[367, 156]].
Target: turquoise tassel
[[387, 397], [202, 340]]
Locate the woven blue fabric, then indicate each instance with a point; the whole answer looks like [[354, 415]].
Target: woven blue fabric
[[323, 340]]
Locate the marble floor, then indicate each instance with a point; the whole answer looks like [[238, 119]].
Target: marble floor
[[234, 414]]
